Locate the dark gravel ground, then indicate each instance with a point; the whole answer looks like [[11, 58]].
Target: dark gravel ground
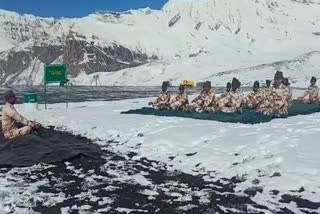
[[102, 181]]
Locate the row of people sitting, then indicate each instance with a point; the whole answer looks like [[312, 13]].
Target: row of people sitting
[[269, 101]]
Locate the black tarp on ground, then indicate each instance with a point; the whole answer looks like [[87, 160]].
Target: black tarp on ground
[[248, 116], [299, 108], [47, 146]]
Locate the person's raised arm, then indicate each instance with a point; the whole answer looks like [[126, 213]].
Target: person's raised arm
[[18, 117]]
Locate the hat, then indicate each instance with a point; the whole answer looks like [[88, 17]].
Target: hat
[[278, 75], [235, 83], [286, 82], [256, 84], [207, 84], [8, 94], [165, 84]]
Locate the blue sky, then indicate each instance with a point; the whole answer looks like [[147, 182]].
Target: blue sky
[[75, 8]]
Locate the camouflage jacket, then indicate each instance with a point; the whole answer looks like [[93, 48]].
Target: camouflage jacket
[[180, 99], [254, 98], [313, 92], [223, 95], [10, 118], [231, 102], [289, 98], [276, 101], [205, 99], [163, 101], [282, 100]]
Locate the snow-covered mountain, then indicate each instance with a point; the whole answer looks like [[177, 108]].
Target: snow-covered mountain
[[187, 39]]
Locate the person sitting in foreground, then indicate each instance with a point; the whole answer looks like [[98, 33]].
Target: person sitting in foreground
[[163, 101], [11, 119], [232, 102], [205, 101], [180, 101], [255, 97], [311, 95]]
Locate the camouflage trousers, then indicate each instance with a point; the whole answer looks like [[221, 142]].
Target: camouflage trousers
[[200, 109], [13, 133], [230, 109], [265, 110], [178, 106], [282, 111], [271, 112], [158, 106], [311, 101]]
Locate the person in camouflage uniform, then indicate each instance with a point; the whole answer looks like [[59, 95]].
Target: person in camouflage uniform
[[277, 101], [233, 100], [255, 97], [163, 101], [268, 83], [311, 95], [266, 104], [228, 88], [205, 102], [289, 91], [283, 98], [267, 90], [14, 124], [180, 101]]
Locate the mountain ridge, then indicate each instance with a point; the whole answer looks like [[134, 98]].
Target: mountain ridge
[[212, 35]]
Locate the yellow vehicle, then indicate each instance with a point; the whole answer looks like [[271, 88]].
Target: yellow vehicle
[[188, 83]]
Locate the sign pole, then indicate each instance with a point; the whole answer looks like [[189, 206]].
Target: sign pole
[[67, 94], [45, 95], [55, 73]]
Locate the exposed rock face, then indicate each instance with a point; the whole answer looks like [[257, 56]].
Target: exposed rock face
[[93, 58], [78, 55], [36, 42]]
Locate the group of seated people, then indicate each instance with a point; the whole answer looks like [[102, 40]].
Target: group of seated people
[[273, 101]]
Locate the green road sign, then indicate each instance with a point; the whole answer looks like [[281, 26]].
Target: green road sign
[[55, 73], [30, 98]]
